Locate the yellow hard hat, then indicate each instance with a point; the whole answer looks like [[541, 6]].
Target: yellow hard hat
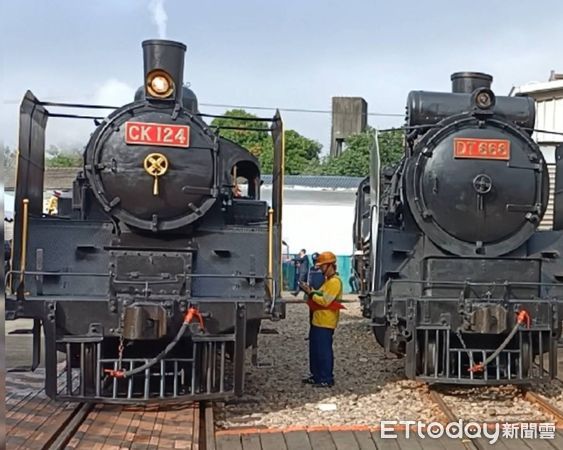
[[326, 258]]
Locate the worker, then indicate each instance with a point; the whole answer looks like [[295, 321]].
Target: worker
[[53, 203], [326, 306]]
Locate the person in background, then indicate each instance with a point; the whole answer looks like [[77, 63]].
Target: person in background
[[354, 283], [326, 306], [7, 256], [315, 277], [302, 269]]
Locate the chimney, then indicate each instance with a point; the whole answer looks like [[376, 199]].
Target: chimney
[[168, 56], [467, 82]]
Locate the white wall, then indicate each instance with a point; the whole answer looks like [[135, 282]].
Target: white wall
[[317, 220], [318, 228], [549, 116]]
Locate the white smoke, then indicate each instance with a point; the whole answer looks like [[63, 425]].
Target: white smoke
[[159, 16]]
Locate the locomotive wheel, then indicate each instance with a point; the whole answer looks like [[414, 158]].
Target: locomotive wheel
[[89, 370], [379, 333], [430, 353]]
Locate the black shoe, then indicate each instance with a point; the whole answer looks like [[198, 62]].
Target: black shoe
[[295, 294], [323, 385], [308, 380]]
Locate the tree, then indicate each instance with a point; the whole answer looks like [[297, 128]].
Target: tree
[[300, 152], [256, 142], [9, 156], [391, 147], [57, 158], [355, 158]]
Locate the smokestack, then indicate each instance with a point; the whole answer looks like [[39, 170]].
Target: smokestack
[[467, 82], [159, 54]]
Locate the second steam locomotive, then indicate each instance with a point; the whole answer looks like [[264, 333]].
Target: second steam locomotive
[[455, 274]]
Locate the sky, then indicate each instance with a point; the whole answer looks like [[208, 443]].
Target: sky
[[290, 54]]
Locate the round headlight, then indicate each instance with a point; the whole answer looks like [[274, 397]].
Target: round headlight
[[159, 84], [483, 98]]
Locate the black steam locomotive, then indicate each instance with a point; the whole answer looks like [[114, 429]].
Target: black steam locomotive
[[455, 274], [154, 276]]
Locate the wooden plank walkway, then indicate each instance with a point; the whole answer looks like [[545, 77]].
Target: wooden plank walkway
[[363, 439], [139, 427], [32, 421], [31, 416]]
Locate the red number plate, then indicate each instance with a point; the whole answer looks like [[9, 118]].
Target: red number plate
[[482, 148], [144, 133]]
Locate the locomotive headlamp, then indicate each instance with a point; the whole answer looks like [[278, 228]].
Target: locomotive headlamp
[[159, 84], [484, 98]]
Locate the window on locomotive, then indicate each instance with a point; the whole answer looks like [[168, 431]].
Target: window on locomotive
[[241, 187], [246, 180]]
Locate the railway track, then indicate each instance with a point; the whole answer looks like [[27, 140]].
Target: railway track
[[451, 417], [549, 408], [62, 435], [187, 426], [550, 411], [88, 426]]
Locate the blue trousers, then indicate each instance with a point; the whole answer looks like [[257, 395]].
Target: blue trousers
[[321, 357]]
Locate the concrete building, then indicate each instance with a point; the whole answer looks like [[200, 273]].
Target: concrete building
[[549, 117], [349, 116]]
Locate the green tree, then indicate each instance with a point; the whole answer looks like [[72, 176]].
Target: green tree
[[355, 158], [256, 142], [9, 156], [57, 158], [301, 153], [391, 147]]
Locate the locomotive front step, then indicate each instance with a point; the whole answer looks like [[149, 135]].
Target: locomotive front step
[[88, 374], [444, 357]]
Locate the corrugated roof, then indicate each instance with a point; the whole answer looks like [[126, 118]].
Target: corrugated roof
[[318, 181], [555, 86], [62, 178], [55, 177]]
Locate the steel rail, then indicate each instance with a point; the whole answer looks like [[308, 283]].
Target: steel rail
[[62, 436], [436, 397], [203, 435], [545, 406], [207, 428]]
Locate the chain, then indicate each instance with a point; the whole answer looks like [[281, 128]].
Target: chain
[[458, 333], [121, 345]]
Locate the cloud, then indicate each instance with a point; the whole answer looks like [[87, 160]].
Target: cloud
[[111, 92], [114, 92], [159, 16]]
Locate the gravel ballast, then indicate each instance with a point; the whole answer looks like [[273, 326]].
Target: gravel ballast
[[369, 387]]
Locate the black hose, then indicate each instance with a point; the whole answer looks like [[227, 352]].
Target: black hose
[[156, 359], [481, 366]]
